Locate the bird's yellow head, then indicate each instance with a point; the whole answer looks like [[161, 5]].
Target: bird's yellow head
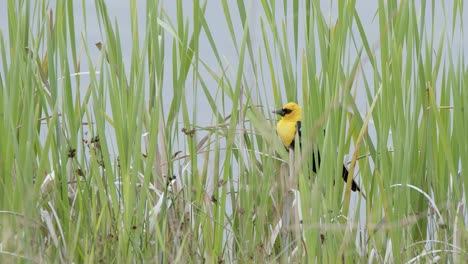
[[290, 112]]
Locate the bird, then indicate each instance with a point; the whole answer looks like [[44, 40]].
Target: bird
[[289, 125]]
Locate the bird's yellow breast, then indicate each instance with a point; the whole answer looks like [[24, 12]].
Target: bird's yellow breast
[[286, 131]]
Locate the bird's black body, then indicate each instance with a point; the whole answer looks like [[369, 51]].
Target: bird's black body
[[316, 160]]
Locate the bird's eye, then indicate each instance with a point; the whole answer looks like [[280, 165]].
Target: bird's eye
[[287, 111]]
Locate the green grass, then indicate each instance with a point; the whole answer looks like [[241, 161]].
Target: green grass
[[119, 165]]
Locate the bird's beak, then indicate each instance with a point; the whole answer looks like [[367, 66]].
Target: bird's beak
[[280, 112]]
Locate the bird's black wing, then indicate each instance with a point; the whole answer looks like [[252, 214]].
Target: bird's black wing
[[298, 131], [316, 160]]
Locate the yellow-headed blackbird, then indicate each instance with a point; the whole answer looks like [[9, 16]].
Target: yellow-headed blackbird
[[287, 127]]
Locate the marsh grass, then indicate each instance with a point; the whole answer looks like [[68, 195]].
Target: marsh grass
[[120, 166]]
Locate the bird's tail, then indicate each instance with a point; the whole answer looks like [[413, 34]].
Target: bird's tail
[[354, 186]]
